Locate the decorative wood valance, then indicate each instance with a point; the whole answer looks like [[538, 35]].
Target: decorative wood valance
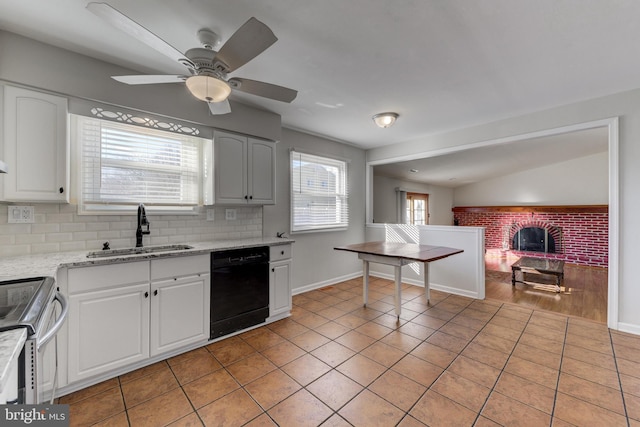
[[536, 209]]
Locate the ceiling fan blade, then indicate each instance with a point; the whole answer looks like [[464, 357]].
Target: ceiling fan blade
[[129, 26], [222, 107], [144, 79], [249, 41], [266, 90]]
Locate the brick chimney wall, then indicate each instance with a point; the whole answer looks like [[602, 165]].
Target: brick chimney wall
[[584, 231]]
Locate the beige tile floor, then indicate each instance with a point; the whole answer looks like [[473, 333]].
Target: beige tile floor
[[456, 362]]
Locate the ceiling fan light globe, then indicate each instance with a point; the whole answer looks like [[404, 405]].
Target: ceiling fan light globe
[[208, 89], [385, 120]]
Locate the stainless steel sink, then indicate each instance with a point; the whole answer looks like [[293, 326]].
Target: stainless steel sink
[[137, 251]]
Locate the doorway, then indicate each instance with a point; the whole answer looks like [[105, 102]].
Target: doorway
[[611, 126]]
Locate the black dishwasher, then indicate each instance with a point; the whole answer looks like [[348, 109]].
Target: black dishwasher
[[239, 289]]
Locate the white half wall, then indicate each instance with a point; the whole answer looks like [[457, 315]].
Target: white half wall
[[460, 274]]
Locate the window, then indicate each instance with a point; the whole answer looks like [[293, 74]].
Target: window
[[124, 165], [319, 196], [417, 208]]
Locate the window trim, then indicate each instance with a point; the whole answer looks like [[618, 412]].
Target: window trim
[[345, 176], [130, 208], [411, 197]]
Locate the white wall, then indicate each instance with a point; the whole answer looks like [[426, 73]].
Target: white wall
[[581, 181], [31, 63], [384, 200], [315, 263]]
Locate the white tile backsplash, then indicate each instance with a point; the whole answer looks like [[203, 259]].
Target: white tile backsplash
[[59, 228]]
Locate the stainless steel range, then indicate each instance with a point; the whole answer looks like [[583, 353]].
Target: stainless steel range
[[29, 303]]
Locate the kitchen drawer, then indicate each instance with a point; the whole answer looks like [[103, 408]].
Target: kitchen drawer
[[84, 279], [180, 266], [278, 252]]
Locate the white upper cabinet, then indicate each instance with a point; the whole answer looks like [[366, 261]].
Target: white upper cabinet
[[36, 146], [262, 171], [244, 170]]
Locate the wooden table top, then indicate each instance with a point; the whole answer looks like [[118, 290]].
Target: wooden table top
[[410, 251]]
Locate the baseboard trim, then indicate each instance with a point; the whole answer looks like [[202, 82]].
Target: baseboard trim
[[434, 286], [324, 283], [628, 327]]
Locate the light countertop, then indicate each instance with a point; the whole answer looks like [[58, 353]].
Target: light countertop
[[47, 264]]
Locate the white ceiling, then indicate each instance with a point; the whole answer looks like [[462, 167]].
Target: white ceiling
[[441, 65], [479, 164]]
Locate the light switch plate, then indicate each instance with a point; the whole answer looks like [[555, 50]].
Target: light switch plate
[[211, 214], [230, 214], [21, 215]]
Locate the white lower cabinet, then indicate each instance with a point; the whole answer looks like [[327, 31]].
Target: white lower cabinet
[[180, 302], [279, 281], [108, 318], [119, 315]]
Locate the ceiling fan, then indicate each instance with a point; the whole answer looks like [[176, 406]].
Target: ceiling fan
[[208, 69]]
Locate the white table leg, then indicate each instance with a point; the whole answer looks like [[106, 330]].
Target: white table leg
[[398, 300], [365, 282], [427, 290]]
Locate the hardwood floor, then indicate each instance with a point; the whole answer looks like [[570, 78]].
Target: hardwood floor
[[583, 293]]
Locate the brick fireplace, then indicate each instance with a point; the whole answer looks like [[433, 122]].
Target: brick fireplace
[[577, 234]]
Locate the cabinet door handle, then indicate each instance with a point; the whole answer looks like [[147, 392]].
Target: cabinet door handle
[[155, 292], [281, 252], [61, 190], [251, 197], [146, 294], [246, 197], [273, 270]]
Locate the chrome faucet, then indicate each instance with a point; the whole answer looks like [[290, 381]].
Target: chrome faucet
[[142, 221]]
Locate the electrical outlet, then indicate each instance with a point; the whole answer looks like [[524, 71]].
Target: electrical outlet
[[211, 214], [230, 214], [21, 215]]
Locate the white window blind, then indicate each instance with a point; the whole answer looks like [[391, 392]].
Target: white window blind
[[125, 165], [319, 193]]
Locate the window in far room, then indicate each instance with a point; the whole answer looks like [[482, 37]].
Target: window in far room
[[417, 208], [319, 193]]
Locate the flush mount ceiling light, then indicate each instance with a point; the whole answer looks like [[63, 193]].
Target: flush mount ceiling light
[[385, 120], [208, 88]]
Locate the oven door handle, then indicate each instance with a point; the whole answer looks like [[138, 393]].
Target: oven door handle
[[59, 322]]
